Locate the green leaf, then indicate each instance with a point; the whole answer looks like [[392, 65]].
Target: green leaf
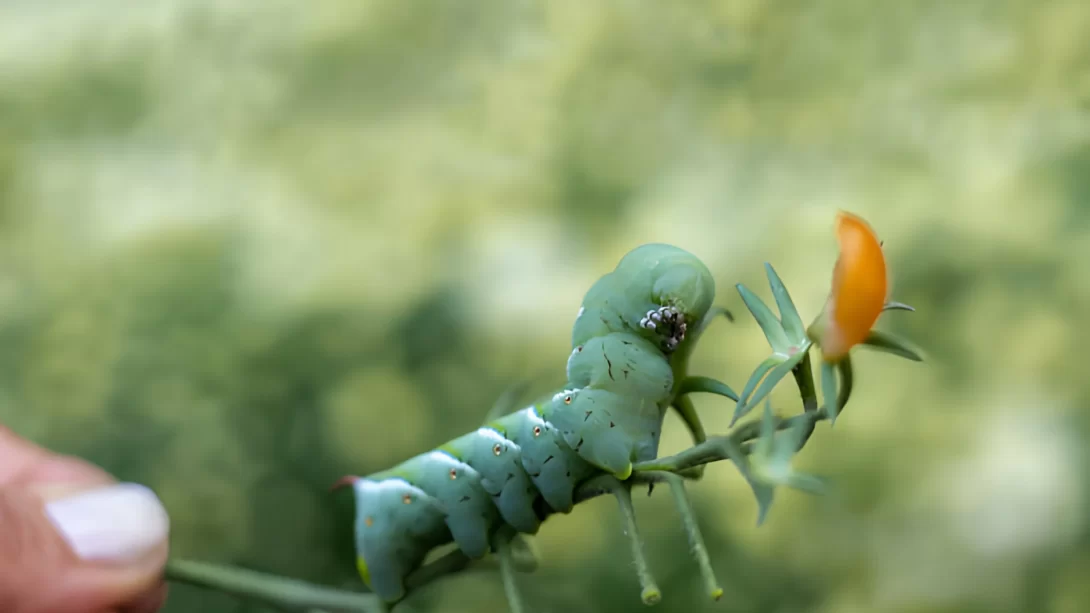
[[693, 384], [717, 311], [764, 446], [897, 306], [788, 441], [754, 379], [769, 383], [828, 390], [507, 401], [763, 492], [789, 315], [846, 381], [771, 326], [888, 343], [774, 457]]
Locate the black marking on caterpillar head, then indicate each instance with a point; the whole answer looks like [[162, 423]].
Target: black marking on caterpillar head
[[609, 365], [612, 425], [668, 323], [546, 460], [464, 499], [587, 415]]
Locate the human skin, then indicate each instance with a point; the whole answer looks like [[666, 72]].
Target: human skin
[[73, 539]]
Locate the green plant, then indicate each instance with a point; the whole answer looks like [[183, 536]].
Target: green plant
[[599, 435]]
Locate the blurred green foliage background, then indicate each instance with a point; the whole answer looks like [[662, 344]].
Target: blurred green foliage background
[[247, 247]]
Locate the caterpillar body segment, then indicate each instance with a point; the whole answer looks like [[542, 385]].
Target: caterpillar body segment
[[439, 497], [524, 466], [456, 487], [498, 461], [551, 465], [613, 415], [397, 524], [656, 291]]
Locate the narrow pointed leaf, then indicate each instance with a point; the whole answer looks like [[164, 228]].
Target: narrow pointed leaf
[[507, 401], [804, 482], [764, 493], [789, 315], [770, 382], [828, 390], [754, 379], [788, 442], [709, 317], [771, 326], [846, 382], [706, 384], [888, 343], [765, 442], [897, 306], [718, 311]]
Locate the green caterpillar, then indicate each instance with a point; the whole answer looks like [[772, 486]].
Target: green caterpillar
[[630, 348]]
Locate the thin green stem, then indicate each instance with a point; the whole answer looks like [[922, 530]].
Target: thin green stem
[[502, 544], [804, 378], [714, 449], [696, 540], [687, 411], [649, 589], [281, 592]]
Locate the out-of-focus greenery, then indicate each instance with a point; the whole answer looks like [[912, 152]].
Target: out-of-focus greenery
[[247, 247]]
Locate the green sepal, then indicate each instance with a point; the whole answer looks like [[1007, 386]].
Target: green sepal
[[828, 391], [770, 325], [778, 373], [888, 343], [789, 315], [761, 490], [773, 453], [694, 384], [507, 402], [897, 306], [754, 379]]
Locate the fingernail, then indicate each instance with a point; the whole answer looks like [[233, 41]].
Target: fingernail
[[119, 523]]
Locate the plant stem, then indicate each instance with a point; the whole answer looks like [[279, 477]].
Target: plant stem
[[692, 530], [281, 592], [507, 571], [649, 589], [804, 378]]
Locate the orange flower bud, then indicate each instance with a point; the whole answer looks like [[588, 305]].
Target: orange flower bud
[[860, 287]]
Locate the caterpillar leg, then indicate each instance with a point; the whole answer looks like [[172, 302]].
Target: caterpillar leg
[[502, 543], [692, 530], [523, 554], [649, 589]]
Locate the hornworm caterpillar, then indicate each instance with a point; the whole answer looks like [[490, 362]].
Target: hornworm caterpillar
[[631, 343], [630, 347], [599, 433]]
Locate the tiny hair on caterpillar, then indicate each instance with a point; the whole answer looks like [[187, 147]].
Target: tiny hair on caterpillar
[[599, 433]]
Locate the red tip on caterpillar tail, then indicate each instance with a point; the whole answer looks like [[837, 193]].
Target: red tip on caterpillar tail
[[344, 481]]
